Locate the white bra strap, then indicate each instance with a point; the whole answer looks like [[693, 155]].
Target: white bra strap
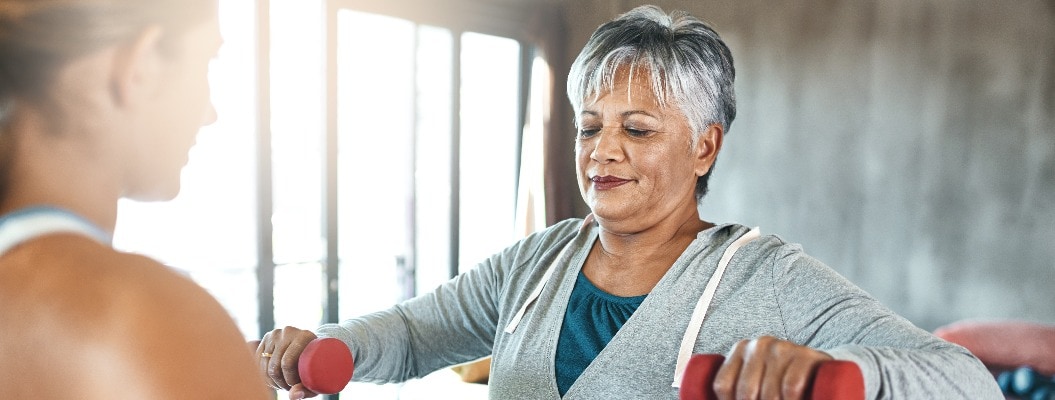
[[696, 322], [27, 224], [513, 323], [535, 293]]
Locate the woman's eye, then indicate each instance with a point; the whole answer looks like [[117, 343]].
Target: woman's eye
[[637, 132], [587, 132]]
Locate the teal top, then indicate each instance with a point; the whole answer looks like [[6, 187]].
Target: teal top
[[592, 319]]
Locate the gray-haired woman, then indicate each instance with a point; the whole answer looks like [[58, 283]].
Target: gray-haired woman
[[99, 100], [610, 306]]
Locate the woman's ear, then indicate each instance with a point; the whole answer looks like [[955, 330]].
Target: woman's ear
[[707, 147], [136, 68]]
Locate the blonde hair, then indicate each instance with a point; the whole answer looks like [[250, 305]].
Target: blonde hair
[[38, 37]]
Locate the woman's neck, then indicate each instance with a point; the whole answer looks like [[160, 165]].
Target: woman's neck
[[631, 264], [53, 169]]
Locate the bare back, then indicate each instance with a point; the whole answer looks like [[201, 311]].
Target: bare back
[[81, 320]]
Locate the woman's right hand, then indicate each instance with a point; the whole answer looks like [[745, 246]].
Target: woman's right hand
[[767, 368], [278, 352]]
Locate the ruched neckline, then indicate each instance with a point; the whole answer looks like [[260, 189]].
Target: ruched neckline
[[593, 317]]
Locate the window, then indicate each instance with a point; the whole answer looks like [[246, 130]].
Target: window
[[390, 162], [426, 169]]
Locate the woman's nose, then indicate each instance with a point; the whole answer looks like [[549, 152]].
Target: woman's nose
[[607, 146], [210, 115]]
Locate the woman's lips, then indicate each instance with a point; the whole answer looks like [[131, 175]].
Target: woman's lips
[[607, 182]]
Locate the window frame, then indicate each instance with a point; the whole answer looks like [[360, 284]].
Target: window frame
[[459, 17]]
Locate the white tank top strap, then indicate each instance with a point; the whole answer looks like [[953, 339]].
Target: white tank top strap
[[700, 311], [513, 323], [29, 223]]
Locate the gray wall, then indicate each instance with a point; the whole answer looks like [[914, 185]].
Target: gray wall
[[909, 144]]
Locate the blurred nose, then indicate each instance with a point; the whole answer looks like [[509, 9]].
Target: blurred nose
[[607, 146], [210, 115]]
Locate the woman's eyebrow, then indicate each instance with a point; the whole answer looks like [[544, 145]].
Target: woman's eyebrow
[[625, 114]]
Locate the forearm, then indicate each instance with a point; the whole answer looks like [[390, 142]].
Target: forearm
[[379, 344], [947, 372], [898, 359], [453, 324]]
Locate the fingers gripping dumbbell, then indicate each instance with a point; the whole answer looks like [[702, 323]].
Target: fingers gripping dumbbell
[[325, 366], [833, 380]]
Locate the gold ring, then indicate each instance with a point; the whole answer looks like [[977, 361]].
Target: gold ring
[[265, 354]]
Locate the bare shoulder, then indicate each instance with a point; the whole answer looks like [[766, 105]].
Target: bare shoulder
[[97, 316]]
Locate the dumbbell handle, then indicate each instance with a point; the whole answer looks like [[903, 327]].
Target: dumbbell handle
[[325, 366], [833, 380]]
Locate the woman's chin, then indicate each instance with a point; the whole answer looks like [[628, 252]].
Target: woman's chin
[[613, 204], [156, 192], [610, 214]]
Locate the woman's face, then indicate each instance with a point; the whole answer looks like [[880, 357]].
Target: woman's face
[[180, 106], [635, 159]]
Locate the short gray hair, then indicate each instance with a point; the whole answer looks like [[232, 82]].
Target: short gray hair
[[689, 65]]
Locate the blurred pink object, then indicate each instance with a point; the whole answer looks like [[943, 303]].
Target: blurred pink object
[[1005, 344]]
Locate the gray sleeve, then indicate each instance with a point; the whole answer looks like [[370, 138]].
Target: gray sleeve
[[453, 324], [825, 311]]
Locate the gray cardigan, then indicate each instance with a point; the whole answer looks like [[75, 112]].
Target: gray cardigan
[[770, 288]]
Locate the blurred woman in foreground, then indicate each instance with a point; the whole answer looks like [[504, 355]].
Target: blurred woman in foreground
[[99, 100]]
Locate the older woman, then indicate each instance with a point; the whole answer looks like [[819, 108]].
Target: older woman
[[610, 306], [101, 100]]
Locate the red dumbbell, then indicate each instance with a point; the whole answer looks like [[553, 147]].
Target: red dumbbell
[[834, 379], [325, 366]]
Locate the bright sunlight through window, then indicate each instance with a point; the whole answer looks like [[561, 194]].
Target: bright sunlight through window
[[396, 107]]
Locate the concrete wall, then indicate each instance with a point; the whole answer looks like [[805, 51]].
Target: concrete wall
[[909, 144]]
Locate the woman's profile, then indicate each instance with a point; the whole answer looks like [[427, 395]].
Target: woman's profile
[[101, 100]]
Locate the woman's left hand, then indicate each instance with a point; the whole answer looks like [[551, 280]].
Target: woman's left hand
[[279, 353], [767, 368]]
